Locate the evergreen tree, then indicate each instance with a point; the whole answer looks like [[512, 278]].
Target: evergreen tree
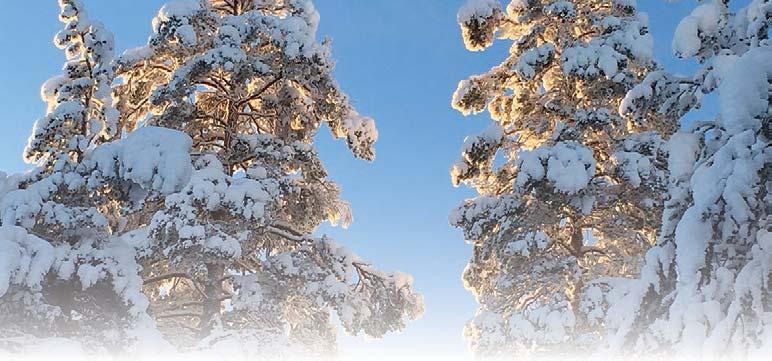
[[568, 190], [63, 270], [233, 253], [80, 109], [705, 288]]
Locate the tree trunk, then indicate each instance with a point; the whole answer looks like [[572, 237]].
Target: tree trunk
[[213, 292]]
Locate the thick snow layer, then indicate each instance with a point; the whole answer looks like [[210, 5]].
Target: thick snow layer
[[636, 160], [477, 151], [531, 60], [569, 166], [156, 158], [360, 133], [24, 258], [471, 88], [479, 22], [683, 149], [517, 5], [744, 91], [592, 60], [493, 134], [702, 23], [21, 206], [606, 55], [473, 9], [178, 10], [729, 179], [133, 55]]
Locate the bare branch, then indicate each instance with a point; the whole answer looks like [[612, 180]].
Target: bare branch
[[175, 315]]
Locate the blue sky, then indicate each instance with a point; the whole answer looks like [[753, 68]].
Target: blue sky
[[400, 61]]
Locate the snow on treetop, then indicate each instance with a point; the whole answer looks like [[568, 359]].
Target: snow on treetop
[[477, 8], [478, 21], [177, 11]]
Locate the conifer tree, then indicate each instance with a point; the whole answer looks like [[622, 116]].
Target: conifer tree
[[64, 272], [706, 288], [569, 191], [234, 254]]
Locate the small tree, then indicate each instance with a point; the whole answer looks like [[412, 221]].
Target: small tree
[[569, 190], [80, 110], [705, 287], [63, 270], [233, 254]]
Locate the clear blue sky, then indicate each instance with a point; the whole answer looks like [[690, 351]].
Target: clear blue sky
[[400, 61]]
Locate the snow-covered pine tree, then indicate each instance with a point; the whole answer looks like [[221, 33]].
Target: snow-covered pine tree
[[63, 272], [568, 190], [80, 112], [233, 254], [706, 288]]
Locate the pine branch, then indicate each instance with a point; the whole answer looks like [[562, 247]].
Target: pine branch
[[260, 92]]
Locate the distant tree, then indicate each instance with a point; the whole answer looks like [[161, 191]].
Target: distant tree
[[569, 191], [64, 272], [233, 255], [706, 288]]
